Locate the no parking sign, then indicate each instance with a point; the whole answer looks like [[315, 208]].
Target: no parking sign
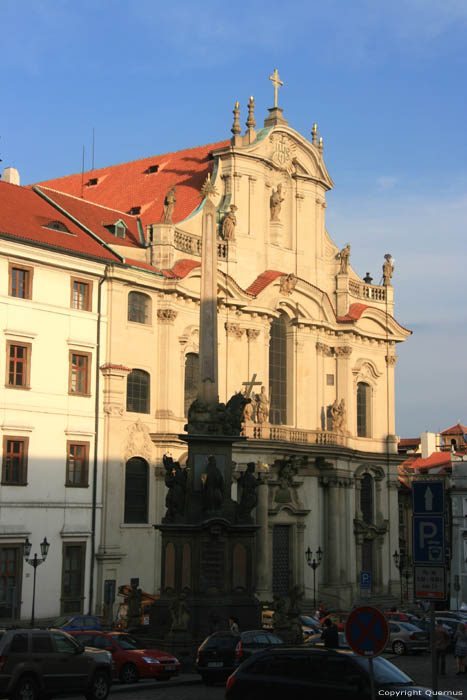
[[366, 631]]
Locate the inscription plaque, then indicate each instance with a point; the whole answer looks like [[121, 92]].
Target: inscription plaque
[[212, 565]]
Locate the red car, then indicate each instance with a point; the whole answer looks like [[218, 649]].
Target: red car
[[132, 660]]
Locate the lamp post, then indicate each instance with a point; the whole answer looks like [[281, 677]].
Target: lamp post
[[399, 560], [314, 562], [34, 562]]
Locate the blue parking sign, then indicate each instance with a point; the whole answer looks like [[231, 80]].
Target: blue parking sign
[[428, 497], [365, 580], [428, 539]]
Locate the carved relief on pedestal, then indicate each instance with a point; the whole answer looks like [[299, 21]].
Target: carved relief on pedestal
[[166, 315], [283, 153], [138, 442]]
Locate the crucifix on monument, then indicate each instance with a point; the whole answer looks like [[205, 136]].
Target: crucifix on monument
[[249, 386], [276, 82], [275, 113]]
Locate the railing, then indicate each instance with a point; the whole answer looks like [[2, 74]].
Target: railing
[[189, 243], [367, 291], [265, 431]]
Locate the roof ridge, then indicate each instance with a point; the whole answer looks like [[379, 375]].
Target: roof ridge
[[88, 201], [135, 160]]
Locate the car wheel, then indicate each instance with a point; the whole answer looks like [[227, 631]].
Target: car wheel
[[398, 648], [100, 687], [129, 674], [26, 689]]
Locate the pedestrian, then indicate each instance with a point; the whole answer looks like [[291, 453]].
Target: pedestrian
[[442, 639], [329, 635], [460, 649], [233, 624]]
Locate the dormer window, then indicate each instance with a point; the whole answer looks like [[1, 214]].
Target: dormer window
[[117, 229], [135, 210], [57, 226], [92, 181], [152, 169]]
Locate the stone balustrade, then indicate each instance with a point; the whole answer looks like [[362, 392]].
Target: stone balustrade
[[265, 431], [189, 243], [367, 291]]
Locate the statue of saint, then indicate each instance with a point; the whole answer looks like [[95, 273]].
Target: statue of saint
[[180, 613], [275, 202], [169, 205], [344, 256], [229, 223], [248, 412], [338, 415], [388, 269], [249, 497], [262, 406], [213, 486], [175, 480]]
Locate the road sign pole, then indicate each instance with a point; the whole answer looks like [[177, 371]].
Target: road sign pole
[[372, 679], [434, 660]]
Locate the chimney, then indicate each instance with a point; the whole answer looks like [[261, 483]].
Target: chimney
[[428, 444], [11, 175]]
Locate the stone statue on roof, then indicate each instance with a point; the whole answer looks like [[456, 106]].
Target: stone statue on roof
[[344, 256], [169, 205], [388, 269]]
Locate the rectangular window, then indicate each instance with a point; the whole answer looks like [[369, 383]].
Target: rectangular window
[[15, 461], [20, 281], [10, 581], [18, 365], [73, 578], [77, 461], [81, 294], [80, 364]]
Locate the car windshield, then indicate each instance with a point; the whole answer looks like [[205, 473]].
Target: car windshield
[[305, 620], [385, 672], [61, 621], [124, 641], [408, 626]]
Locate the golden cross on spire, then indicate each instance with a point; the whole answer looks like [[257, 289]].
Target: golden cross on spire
[[276, 82]]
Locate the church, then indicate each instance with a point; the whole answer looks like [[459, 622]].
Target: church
[[309, 342]]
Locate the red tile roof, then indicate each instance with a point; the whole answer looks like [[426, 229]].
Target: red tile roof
[[354, 313], [96, 217], [263, 280], [180, 269], [129, 185], [437, 459], [407, 442], [457, 429], [23, 215]]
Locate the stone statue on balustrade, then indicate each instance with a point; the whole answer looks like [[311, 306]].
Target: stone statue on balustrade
[[249, 498], [229, 223], [169, 206], [175, 480], [262, 406], [213, 486], [388, 269], [338, 415]]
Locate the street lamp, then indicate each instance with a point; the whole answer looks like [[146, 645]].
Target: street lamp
[[314, 563], [399, 561], [34, 562]]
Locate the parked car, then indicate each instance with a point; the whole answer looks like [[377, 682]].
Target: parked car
[[405, 637], [309, 624], [77, 622], [317, 641], [305, 672], [132, 658], [222, 652], [44, 663], [397, 616]]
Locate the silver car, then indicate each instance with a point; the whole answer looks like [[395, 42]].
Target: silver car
[[405, 637]]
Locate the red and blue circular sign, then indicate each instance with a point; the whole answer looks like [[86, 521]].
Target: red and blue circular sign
[[367, 631]]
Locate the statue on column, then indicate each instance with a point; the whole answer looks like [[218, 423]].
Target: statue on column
[[213, 486], [229, 223], [388, 269], [275, 202], [175, 480], [249, 498], [169, 205], [343, 256]]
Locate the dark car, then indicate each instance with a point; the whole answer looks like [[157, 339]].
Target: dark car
[[222, 652], [303, 673], [44, 663], [133, 659], [75, 623]]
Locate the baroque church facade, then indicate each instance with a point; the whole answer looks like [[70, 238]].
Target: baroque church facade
[[299, 332]]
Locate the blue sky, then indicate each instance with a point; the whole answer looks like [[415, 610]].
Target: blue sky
[[386, 85]]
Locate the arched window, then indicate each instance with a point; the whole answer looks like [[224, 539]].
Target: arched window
[[136, 491], [366, 498], [137, 391], [191, 379], [139, 306], [278, 371], [363, 409]]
